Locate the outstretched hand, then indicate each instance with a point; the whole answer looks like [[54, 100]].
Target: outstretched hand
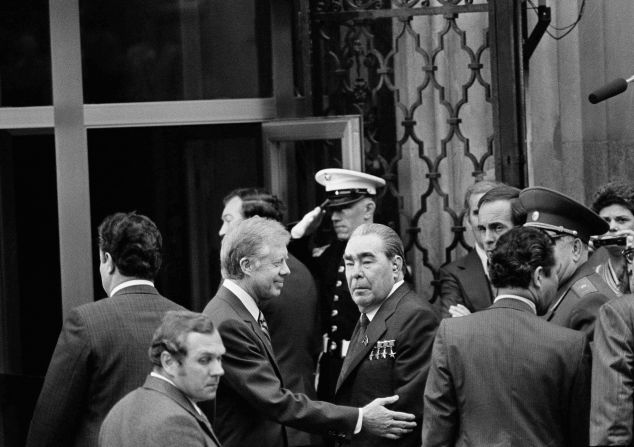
[[380, 421]]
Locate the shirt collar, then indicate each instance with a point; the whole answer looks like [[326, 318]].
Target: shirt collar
[[159, 376], [484, 259], [373, 312], [518, 298], [130, 283], [244, 297]]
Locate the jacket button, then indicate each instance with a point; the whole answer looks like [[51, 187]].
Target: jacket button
[[334, 312], [335, 298], [333, 328], [338, 284]]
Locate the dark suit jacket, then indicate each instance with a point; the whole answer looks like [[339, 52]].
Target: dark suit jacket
[[252, 405], [506, 377], [101, 355], [410, 322], [464, 282], [156, 415], [293, 323], [612, 414], [580, 299]]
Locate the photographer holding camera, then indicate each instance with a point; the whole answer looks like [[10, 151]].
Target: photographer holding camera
[[614, 202]]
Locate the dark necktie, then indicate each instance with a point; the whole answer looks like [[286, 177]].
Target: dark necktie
[[264, 326], [363, 326]]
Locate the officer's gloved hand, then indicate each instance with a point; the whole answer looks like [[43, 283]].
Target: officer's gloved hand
[[309, 223]]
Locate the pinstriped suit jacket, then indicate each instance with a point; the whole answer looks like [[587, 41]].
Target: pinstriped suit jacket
[[101, 355], [505, 377], [612, 414]]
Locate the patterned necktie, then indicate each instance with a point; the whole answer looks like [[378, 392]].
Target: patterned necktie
[[363, 326], [264, 326]]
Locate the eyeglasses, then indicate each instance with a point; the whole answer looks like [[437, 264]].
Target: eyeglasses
[[628, 254]]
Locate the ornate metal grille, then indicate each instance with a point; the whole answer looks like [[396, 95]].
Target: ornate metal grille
[[419, 72]]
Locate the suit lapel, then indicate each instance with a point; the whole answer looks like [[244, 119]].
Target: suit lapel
[[376, 328], [229, 297], [177, 396], [478, 286]]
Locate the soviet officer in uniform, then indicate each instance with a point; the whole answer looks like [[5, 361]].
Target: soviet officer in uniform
[[350, 203], [569, 224]]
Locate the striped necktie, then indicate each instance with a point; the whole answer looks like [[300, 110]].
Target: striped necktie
[[264, 326]]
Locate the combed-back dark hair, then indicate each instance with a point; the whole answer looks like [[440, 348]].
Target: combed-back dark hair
[[618, 192], [510, 194], [391, 241], [483, 186], [248, 239], [133, 242], [258, 202], [171, 335], [517, 255]]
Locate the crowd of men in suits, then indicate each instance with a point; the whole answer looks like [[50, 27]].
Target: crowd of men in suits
[[502, 358]]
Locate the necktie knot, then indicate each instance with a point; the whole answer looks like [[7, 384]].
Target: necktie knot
[[363, 323]]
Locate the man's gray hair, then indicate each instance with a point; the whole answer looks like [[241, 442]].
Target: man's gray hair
[[247, 240], [393, 246]]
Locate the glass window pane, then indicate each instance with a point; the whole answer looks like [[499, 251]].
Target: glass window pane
[[30, 288], [25, 54], [158, 50], [178, 177]]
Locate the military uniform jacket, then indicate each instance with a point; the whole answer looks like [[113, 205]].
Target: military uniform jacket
[[156, 415], [101, 356], [395, 360], [252, 405], [464, 282], [612, 414], [505, 377], [579, 300]]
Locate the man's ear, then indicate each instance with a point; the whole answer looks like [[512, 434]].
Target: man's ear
[[107, 259], [577, 249], [538, 277], [169, 363], [370, 206], [246, 265], [397, 265]]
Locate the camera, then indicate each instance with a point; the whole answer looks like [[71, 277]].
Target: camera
[[609, 240]]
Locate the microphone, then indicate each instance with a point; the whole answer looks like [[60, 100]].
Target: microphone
[[609, 90]]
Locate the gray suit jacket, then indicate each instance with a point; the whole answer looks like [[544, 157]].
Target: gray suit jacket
[[156, 415], [505, 377], [252, 405], [101, 355], [612, 414]]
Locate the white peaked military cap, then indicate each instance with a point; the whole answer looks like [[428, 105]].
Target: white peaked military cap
[[345, 187]]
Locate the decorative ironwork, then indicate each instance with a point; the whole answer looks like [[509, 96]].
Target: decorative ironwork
[[357, 45]]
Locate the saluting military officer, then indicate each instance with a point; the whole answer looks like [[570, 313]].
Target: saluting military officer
[[569, 224], [350, 203]]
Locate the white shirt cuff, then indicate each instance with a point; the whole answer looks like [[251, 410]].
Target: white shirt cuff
[[357, 428]]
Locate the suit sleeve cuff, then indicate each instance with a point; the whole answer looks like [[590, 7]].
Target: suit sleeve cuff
[[357, 427]]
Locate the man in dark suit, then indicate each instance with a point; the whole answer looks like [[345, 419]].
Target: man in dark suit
[[350, 203], [186, 353], [612, 409], [498, 212], [101, 352], [505, 376], [464, 283], [570, 224], [391, 345], [293, 316], [252, 405]]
